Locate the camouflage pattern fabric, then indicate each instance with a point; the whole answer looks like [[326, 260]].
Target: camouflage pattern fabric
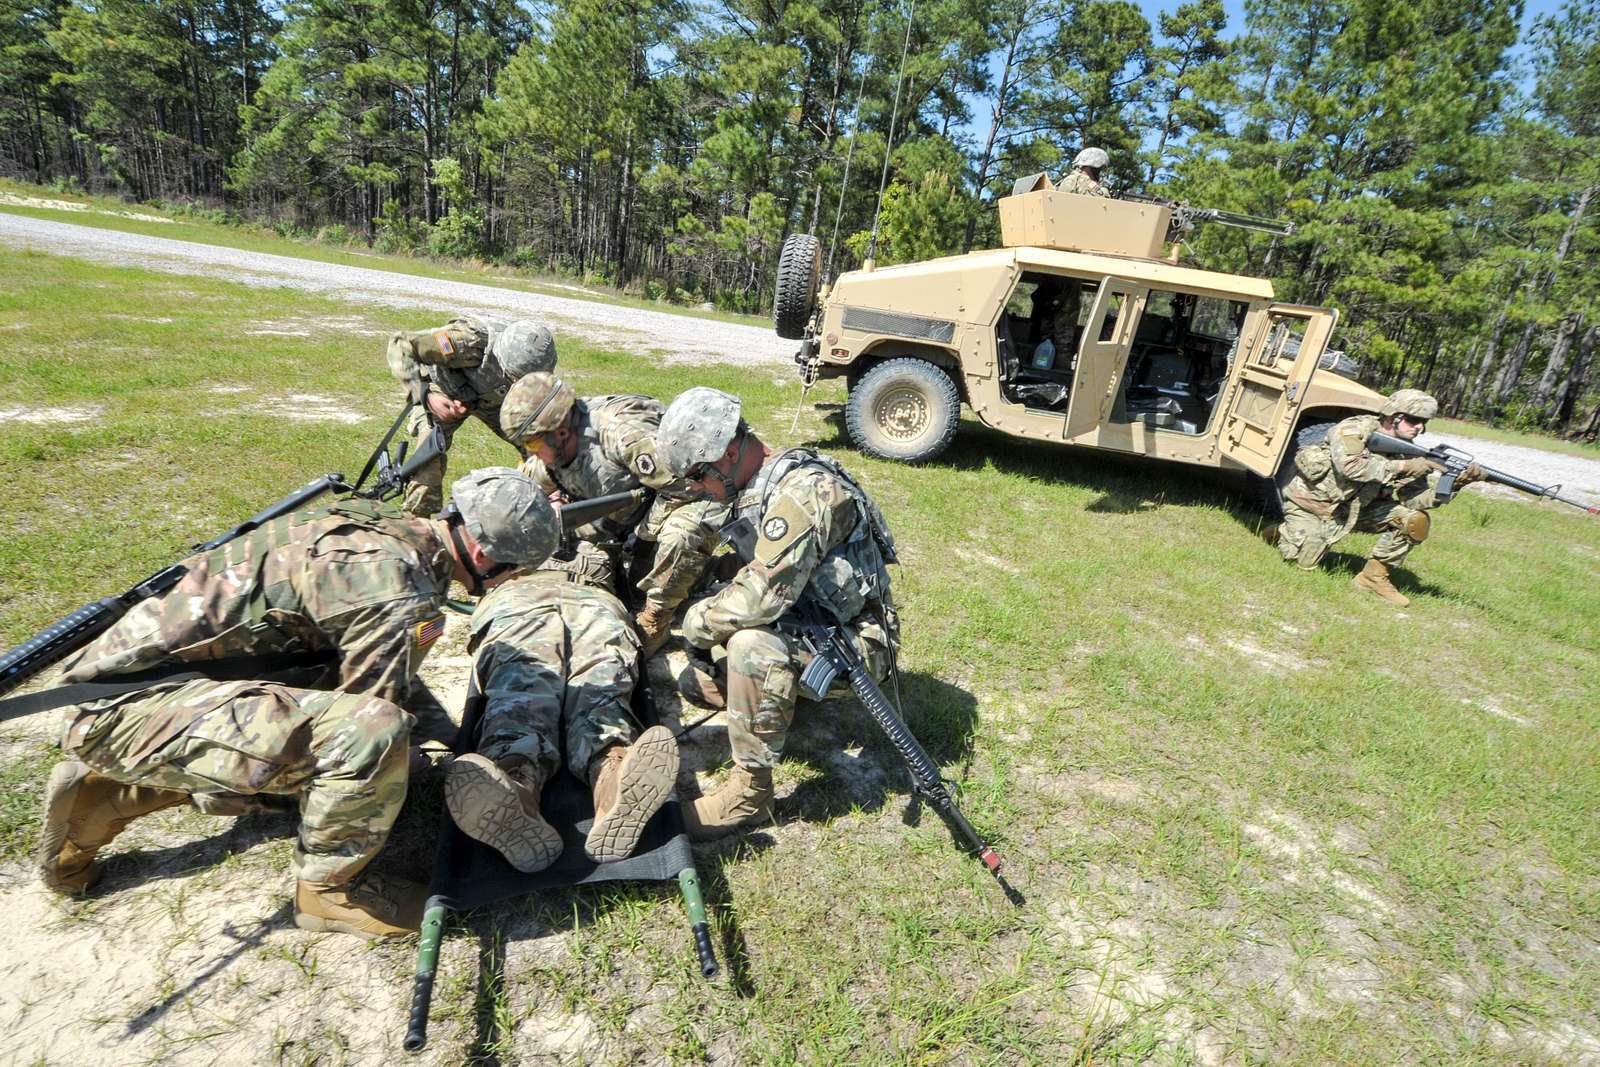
[[343, 755], [617, 453], [454, 360], [803, 518], [1340, 486], [353, 579], [1080, 183], [556, 658]]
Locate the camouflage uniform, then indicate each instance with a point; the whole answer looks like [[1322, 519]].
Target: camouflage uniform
[[816, 536], [616, 454], [353, 580], [551, 644], [1339, 486], [463, 359], [1080, 183]]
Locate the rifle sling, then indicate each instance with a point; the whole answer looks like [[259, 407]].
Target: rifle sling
[[266, 668], [383, 446]]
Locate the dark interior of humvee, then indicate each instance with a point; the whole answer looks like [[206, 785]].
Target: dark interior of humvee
[[1183, 348]]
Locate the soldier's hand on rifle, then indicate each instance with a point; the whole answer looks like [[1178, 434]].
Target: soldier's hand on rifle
[[1416, 467], [1473, 473], [445, 409]]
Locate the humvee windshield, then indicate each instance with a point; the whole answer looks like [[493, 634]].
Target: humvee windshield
[[1181, 350]]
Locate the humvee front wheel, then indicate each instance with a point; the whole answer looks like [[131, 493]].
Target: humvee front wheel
[[799, 274], [904, 409]]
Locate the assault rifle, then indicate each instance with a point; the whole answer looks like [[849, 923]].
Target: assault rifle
[[1454, 461], [833, 655]]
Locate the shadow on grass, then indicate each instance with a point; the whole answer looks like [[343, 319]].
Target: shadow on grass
[[1126, 483], [133, 869]]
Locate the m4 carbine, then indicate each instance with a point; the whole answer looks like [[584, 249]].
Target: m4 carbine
[[832, 655], [1453, 462]]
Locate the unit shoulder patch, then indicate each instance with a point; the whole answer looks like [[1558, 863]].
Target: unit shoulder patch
[[785, 523]]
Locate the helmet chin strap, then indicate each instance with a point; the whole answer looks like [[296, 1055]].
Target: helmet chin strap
[[475, 581], [730, 490]]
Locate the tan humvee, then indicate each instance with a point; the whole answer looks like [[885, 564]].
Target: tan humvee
[[1075, 331]]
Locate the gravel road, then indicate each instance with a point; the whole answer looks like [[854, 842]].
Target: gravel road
[[675, 338]]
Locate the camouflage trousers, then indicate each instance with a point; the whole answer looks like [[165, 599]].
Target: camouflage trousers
[[342, 755], [685, 534], [1304, 536], [558, 653], [764, 668], [425, 495]]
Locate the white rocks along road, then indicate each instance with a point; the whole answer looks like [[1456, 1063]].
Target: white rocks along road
[[669, 336]]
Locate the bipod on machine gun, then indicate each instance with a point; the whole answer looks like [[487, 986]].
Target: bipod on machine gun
[[1453, 461], [832, 655]]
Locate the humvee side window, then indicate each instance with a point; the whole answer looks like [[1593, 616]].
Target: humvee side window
[[1108, 326], [1284, 334], [1182, 352]]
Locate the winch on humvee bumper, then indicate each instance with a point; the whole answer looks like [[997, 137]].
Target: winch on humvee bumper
[[1074, 331]]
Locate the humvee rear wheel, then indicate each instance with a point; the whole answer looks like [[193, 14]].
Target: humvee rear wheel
[[799, 274], [904, 409]]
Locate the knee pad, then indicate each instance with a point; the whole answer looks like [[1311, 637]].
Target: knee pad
[[1415, 526]]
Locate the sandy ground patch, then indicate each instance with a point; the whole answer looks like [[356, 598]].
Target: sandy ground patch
[[302, 407], [51, 416], [68, 205]]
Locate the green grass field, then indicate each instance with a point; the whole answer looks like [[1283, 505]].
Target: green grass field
[[1257, 815]]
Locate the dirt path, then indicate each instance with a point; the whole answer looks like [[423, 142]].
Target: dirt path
[[674, 337]]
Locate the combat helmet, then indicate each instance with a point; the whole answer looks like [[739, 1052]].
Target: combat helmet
[[507, 514], [697, 428], [1411, 402], [523, 347], [1094, 158], [536, 404]]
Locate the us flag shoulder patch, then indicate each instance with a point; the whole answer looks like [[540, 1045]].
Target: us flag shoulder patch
[[445, 344], [428, 632]]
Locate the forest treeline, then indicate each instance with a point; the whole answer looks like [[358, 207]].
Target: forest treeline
[[1439, 159]]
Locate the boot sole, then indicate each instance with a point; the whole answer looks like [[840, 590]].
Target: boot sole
[[646, 780], [486, 810], [316, 924], [60, 792]]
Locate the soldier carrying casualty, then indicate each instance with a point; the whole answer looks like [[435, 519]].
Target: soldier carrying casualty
[[1341, 485], [305, 635], [1085, 177], [584, 447], [463, 368], [818, 535], [555, 661]]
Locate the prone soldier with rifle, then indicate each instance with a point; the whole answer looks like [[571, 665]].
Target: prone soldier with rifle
[[811, 605], [1346, 483]]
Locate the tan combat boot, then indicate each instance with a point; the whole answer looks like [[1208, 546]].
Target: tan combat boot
[[655, 624], [744, 800], [372, 906], [83, 811], [631, 782], [698, 685], [1374, 578], [498, 804]]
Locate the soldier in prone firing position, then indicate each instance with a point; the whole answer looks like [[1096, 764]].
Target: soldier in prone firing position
[[1339, 486], [356, 582], [1085, 177], [463, 368], [819, 535], [556, 660], [585, 447]]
